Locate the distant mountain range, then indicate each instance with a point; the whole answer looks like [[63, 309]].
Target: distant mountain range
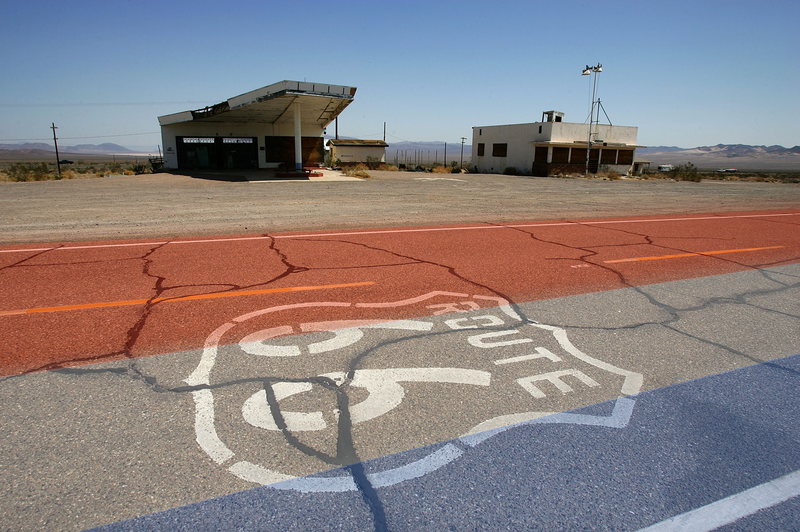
[[87, 149], [741, 156], [724, 150]]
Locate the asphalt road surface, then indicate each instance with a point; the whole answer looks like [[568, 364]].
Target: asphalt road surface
[[540, 374]]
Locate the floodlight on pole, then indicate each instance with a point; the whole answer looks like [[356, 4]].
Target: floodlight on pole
[[587, 71]]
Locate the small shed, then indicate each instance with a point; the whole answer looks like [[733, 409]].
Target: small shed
[[640, 166], [349, 152]]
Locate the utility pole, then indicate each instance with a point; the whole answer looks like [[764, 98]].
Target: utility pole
[[445, 154], [462, 151], [384, 132], [55, 141]]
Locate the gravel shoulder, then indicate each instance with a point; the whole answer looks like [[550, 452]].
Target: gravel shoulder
[[168, 205]]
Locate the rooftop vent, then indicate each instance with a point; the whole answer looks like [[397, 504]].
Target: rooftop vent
[[552, 116]]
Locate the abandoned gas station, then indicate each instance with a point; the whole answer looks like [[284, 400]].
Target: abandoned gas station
[[280, 126]]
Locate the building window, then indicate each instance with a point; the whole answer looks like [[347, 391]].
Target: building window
[[560, 155], [608, 156], [540, 129], [625, 157], [480, 149], [500, 150], [578, 155]]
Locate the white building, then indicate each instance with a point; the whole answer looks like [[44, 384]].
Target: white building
[[553, 146], [278, 126], [349, 152]]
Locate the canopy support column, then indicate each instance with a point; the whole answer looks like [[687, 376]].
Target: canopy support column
[[298, 137]]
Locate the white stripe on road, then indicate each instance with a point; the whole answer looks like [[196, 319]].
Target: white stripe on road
[[394, 231], [733, 508]]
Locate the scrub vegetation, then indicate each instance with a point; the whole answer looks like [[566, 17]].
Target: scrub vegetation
[[41, 171]]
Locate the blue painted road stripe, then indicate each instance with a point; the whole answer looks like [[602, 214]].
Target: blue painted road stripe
[[721, 451]]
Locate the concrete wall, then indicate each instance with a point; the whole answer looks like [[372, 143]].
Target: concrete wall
[[520, 139], [223, 129], [358, 154]]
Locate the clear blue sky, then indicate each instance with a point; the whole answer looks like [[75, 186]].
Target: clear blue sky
[[687, 73]]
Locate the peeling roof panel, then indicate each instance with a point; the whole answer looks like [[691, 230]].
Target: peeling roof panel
[[319, 105], [357, 142]]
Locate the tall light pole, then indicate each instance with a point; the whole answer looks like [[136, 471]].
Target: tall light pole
[[587, 71], [462, 151]]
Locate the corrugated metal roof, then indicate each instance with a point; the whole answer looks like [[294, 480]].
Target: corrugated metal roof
[[357, 142]]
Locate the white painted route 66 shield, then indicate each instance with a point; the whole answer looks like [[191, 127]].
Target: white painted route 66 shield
[[274, 403]]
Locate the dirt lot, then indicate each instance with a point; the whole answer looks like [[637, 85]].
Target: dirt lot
[[166, 205]]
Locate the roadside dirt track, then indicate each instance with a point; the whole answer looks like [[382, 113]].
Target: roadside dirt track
[[167, 205]]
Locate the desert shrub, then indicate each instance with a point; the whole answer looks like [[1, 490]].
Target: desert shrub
[[359, 170], [373, 163], [28, 172], [442, 170], [611, 175], [685, 172], [140, 169]]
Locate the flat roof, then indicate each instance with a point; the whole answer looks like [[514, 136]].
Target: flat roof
[[319, 103], [357, 142]]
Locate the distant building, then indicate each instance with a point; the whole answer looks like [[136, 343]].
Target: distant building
[[553, 146], [640, 166], [349, 152], [281, 125]]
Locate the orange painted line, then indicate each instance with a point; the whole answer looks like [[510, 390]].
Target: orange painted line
[[698, 254], [215, 295]]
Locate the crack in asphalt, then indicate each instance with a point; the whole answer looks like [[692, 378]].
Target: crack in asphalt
[[26, 259], [674, 312], [158, 298], [346, 454]]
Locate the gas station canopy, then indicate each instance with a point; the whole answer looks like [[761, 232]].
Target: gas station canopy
[[318, 104]]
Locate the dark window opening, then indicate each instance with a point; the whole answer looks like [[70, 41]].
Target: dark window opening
[[560, 155], [625, 157], [578, 156], [500, 150], [540, 154], [481, 147], [281, 150], [608, 157]]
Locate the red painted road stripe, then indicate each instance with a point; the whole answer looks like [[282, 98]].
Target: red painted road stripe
[[698, 254], [524, 261], [214, 295], [396, 231]]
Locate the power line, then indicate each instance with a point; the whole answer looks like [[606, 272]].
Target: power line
[[94, 137], [398, 138], [97, 104]]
